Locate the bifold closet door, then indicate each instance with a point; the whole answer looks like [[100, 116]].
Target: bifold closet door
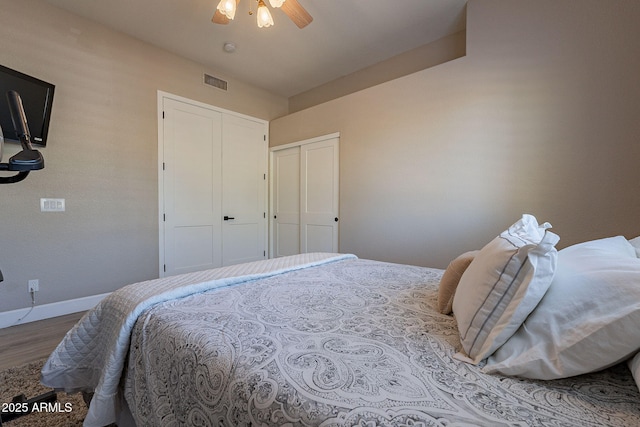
[[192, 188]]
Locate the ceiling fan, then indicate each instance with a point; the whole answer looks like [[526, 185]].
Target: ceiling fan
[[226, 11]]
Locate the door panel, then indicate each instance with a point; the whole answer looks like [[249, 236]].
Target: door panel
[[287, 239], [286, 201], [244, 155], [192, 161], [319, 238], [193, 248], [319, 187]]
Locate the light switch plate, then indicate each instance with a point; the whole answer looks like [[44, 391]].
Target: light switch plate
[[52, 205]]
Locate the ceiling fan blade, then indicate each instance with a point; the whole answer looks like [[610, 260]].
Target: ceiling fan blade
[[219, 18], [296, 13]]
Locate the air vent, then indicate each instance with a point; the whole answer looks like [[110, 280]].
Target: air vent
[[215, 82]]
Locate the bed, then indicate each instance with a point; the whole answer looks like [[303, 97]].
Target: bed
[[308, 340]]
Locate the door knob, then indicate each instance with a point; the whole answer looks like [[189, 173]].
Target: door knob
[[227, 218], [336, 219]]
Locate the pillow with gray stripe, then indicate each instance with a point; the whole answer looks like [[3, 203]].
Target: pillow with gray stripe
[[502, 286]]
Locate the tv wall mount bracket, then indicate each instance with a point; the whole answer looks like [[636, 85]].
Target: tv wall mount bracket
[[26, 160]]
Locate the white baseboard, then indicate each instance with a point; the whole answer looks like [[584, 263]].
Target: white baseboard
[[47, 311]]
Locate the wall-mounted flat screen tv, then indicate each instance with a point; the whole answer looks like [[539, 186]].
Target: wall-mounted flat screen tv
[[37, 100]]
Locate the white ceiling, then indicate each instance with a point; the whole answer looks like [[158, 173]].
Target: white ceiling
[[345, 35]]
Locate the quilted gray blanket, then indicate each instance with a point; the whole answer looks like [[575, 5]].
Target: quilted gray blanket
[[348, 343]]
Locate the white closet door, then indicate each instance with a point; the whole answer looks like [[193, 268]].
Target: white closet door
[[191, 194], [319, 196], [244, 167], [286, 201]]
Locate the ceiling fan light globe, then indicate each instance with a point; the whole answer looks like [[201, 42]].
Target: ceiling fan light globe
[[276, 3], [227, 8], [264, 16]]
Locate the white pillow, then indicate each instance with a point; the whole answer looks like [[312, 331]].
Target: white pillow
[[502, 285], [587, 321], [636, 244]]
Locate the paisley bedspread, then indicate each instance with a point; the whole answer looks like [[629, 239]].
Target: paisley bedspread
[[350, 343]]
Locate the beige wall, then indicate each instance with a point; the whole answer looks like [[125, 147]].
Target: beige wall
[[101, 156], [542, 116]]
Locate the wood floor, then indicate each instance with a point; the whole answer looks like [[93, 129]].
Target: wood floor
[[32, 341]]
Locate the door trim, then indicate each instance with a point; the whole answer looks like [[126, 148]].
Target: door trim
[[305, 141], [161, 96], [271, 247]]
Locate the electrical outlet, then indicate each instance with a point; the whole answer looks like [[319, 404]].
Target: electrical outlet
[[34, 285]]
